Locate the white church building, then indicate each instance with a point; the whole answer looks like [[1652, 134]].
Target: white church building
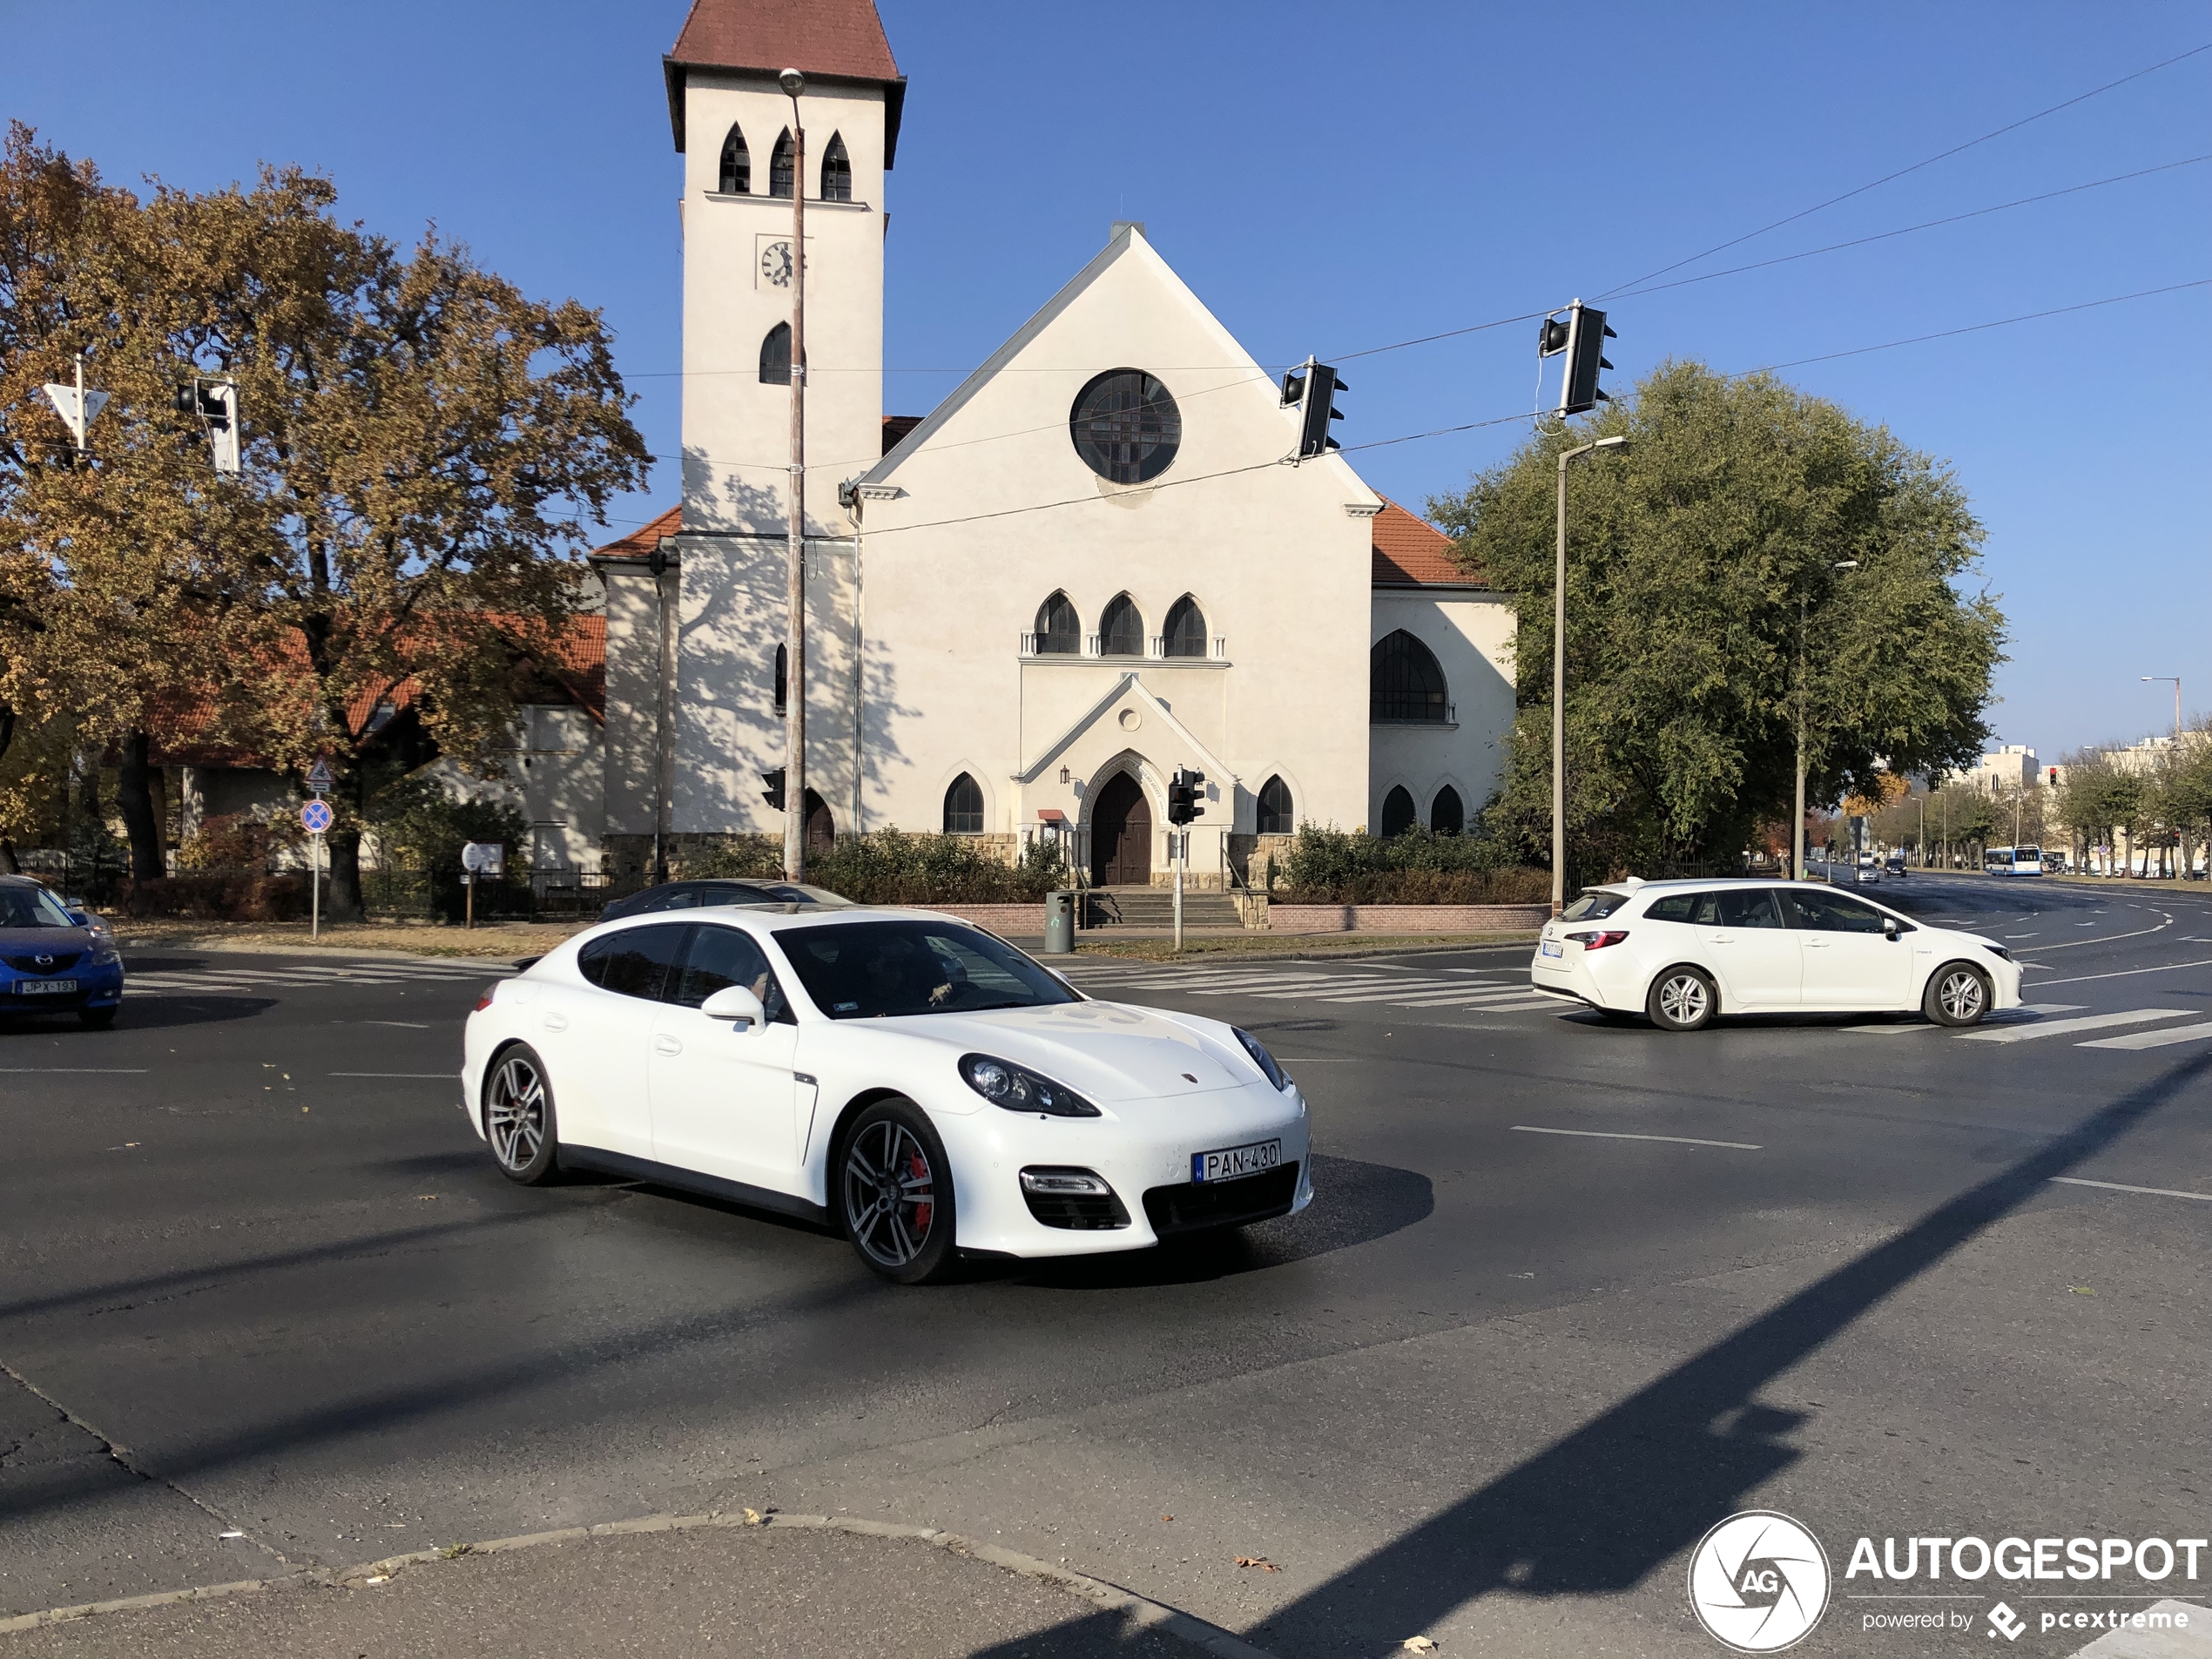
[[1093, 563]]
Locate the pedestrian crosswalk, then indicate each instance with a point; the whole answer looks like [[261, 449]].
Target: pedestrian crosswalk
[[206, 981], [1481, 991]]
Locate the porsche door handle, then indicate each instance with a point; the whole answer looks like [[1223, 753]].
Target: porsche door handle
[[557, 1023], [667, 1045], [1815, 944]]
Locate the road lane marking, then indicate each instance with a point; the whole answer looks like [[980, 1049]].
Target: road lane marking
[[2122, 973], [2153, 1039], [449, 1076], [2003, 1017], [2063, 1027], [2114, 1186], [1615, 1135], [78, 1071]]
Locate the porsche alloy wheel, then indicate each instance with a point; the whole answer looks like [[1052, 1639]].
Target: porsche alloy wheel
[[895, 1193], [518, 1117]]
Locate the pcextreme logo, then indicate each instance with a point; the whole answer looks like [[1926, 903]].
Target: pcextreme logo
[[1759, 1582]]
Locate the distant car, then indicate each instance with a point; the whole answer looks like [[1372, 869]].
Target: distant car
[[1870, 868], [54, 960], [1683, 952], [1894, 864], [690, 895]]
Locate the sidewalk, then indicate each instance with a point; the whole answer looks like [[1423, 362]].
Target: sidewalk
[[668, 1588]]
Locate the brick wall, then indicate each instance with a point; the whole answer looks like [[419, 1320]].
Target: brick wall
[[1406, 918]]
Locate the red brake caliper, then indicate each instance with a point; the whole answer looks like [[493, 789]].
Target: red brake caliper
[[924, 1208]]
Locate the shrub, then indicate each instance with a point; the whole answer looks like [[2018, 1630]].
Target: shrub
[[418, 823], [227, 895], [234, 841], [891, 866], [1352, 867]]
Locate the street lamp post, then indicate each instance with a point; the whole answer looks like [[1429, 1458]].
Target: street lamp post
[[2159, 680], [1559, 678], [795, 542], [1797, 833]]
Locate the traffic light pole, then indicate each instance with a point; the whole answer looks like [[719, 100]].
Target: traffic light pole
[[795, 544], [1182, 841], [1559, 678]]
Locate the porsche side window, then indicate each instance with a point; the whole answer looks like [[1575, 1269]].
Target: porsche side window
[[873, 970], [634, 962], [720, 957]]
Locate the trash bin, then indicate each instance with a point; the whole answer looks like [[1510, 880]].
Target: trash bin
[[1059, 923]]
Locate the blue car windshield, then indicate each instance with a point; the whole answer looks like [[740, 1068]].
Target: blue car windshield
[[31, 908], [875, 970]]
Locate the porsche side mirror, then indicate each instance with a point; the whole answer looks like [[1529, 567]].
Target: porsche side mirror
[[1889, 927], [737, 1004]]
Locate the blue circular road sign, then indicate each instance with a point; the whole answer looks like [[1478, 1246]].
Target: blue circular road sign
[[315, 817]]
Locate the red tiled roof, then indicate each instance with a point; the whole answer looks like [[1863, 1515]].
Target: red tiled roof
[[895, 426], [639, 543], [1410, 552], [843, 38]]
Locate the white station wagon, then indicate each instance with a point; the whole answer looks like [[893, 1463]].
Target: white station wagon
[[1682, 952]]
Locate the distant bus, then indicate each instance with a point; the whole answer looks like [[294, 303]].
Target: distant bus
[[2012, 861]]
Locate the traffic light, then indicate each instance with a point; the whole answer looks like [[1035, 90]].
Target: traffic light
[[1582, 337], [774, 793], [1183, 795], [1313, 387], [215, 402], [2055, 776]]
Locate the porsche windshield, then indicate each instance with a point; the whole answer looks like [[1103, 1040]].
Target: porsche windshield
[[875, 970]]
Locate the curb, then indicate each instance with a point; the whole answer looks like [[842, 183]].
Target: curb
[[1139, 1610]]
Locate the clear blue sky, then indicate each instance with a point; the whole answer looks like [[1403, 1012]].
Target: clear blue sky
[[1331, 179]]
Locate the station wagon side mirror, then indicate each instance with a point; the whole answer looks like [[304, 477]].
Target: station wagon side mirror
[[737, 1004]]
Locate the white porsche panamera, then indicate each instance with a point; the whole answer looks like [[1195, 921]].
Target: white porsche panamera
[[911, 1080]]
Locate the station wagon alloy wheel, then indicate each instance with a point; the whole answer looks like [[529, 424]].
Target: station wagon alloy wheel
[[1958, 995], [1682, 1000]]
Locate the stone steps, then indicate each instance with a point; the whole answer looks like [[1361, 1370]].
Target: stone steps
[[1153, 907]]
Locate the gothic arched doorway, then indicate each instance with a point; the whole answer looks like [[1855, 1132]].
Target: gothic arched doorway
[[1121, 834], [821, 828]]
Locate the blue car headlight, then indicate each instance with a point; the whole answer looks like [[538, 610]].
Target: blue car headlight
[[106, 956], [1019, 1089], [1261, 1058]]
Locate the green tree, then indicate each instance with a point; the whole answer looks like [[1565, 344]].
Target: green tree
[[1689, 556], [2098, 801]]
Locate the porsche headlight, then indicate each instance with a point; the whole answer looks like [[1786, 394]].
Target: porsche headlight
[[1020, 1089], [1261, 1058]]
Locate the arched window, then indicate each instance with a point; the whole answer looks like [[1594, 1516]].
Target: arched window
[[1186, 635], [1275, 814], [964, 806], [1059, 630], [780, 161], [1397, 812], [1120, 630], [775, 356], [821, 826], [836, 170], [1447, 813], [783, 679], [737, 165], [1404, 682]]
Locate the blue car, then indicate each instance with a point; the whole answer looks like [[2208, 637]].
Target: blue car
[[53, 959]]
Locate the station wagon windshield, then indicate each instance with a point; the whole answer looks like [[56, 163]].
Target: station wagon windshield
[[876, 970]]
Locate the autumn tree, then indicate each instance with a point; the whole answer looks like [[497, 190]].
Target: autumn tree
[[1693, 556], [422, 446]]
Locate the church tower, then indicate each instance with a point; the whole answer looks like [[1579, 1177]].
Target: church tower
[[733, 125]]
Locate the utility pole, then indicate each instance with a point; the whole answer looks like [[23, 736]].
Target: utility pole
[[1798, 835], [1559, 676], [795, 547]]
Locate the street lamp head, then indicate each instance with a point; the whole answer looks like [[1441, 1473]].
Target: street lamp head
[[1615, 442], [792, 82]]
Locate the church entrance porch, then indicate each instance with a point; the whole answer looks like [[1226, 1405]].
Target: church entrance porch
[[1121, 834]]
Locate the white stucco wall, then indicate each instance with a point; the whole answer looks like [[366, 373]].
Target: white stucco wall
[[736, 432], [1472, 634], [553, 772]]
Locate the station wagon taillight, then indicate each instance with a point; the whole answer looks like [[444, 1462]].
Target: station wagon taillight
[[1599, 941]]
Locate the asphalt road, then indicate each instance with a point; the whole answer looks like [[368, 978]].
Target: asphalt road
[[1571, 1294]]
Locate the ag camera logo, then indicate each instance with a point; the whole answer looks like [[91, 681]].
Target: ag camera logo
[[1759, 1582]]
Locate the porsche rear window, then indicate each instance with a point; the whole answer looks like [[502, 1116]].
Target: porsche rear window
[[876, 970]]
